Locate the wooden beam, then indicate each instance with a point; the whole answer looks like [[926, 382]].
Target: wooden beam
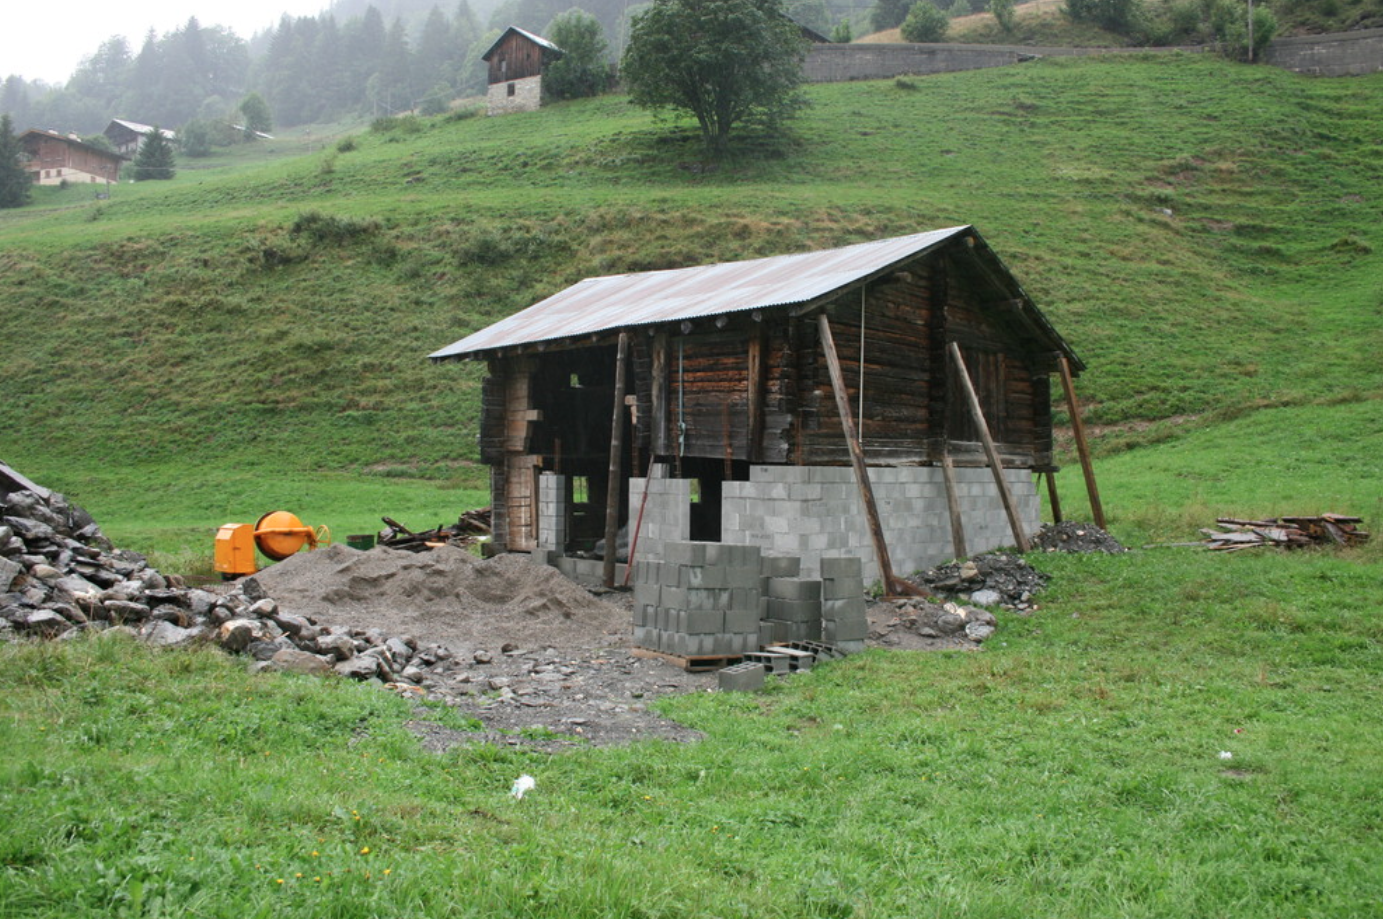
[[996, 465], [657, 423], [891, 584], [616, 449], [1055, 498], [755, 453], [1082, 448], [948, 473]]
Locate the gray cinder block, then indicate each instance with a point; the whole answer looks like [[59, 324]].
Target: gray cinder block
[[841, 588], [704, 621], [794, 588], [841, 632], [842, 567], [780, 566], [794, 610], [742, 621]]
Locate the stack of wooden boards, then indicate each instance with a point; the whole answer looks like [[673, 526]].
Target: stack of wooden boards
[[1285, 532]]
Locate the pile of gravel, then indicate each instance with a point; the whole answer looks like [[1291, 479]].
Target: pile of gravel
[[448, 594], [993, 579], [1075, 537]]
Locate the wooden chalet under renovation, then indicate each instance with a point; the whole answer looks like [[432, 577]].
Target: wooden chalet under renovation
[[814, 404]]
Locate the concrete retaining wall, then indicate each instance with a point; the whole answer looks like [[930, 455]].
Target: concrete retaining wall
[[1337, 55], [1333, 55], [836, 63]]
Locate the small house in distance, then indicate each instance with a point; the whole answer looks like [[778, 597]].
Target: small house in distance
[[127, 136], [516, 61], [755, 390], [55, 158]]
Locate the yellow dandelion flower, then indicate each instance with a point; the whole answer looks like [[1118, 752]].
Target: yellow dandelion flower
[[388, 871], [314, 853], [365, 851], [298, 875], [280, 880]]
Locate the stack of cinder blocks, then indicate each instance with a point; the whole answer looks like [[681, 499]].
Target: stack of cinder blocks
[[706, 599], [790, 605], [843, 621], [700, 600]]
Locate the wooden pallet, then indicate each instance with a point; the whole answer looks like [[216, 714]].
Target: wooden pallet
[[702, 663]]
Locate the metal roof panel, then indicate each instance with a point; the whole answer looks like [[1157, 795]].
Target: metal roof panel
[[619, 301]]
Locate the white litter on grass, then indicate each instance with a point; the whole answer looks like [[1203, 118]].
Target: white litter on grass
[[1225, 754], [522, 784]]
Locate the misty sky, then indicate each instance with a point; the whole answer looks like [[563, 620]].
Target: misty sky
[[46, 41]]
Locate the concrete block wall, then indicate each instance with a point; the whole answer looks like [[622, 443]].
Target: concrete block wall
[[526, 96], [666, 515], [552, 511], [814, 512]]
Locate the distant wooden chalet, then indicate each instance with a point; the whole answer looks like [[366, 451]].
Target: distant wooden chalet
[[127, 136], [516, 60], [52, 158], [733, 425]]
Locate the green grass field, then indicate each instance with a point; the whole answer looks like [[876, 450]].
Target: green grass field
[[254, 334]]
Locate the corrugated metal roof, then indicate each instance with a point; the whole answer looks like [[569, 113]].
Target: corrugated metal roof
[[649, 297]]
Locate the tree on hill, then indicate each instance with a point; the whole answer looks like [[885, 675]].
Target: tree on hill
[[726, 62], [255, 111], [888, 14], [925, 23], [581, 71], [14, 179], [155, 157], [1004, 14]]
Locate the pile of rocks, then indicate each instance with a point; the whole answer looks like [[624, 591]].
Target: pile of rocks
[[1069, 536], [937, 621], [993, 579], [60, 576]]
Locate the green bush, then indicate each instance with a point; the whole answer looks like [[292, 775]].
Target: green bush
[[397, 124], [346, 145], [326, 228], [1004, 14], [925, 23], [1115, 15]]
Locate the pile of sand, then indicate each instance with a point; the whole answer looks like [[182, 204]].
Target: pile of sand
[[446, 596]]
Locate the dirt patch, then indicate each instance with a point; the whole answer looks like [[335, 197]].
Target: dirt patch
[[536, 659]]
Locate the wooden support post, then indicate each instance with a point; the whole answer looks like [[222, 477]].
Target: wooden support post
[[1082, 448], [892, 585], [755, 451], [726, 440], [1055, 498], [616, 449], [658, 420], [948, 472], [996, 465]]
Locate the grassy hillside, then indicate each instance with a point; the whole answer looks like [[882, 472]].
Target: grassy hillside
[[1205, 234]]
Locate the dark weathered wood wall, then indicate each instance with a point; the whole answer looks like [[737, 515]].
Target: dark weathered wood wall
[[515, 58], [755, 388]]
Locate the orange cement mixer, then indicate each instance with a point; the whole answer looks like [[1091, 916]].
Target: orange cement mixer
[[278, 535]]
